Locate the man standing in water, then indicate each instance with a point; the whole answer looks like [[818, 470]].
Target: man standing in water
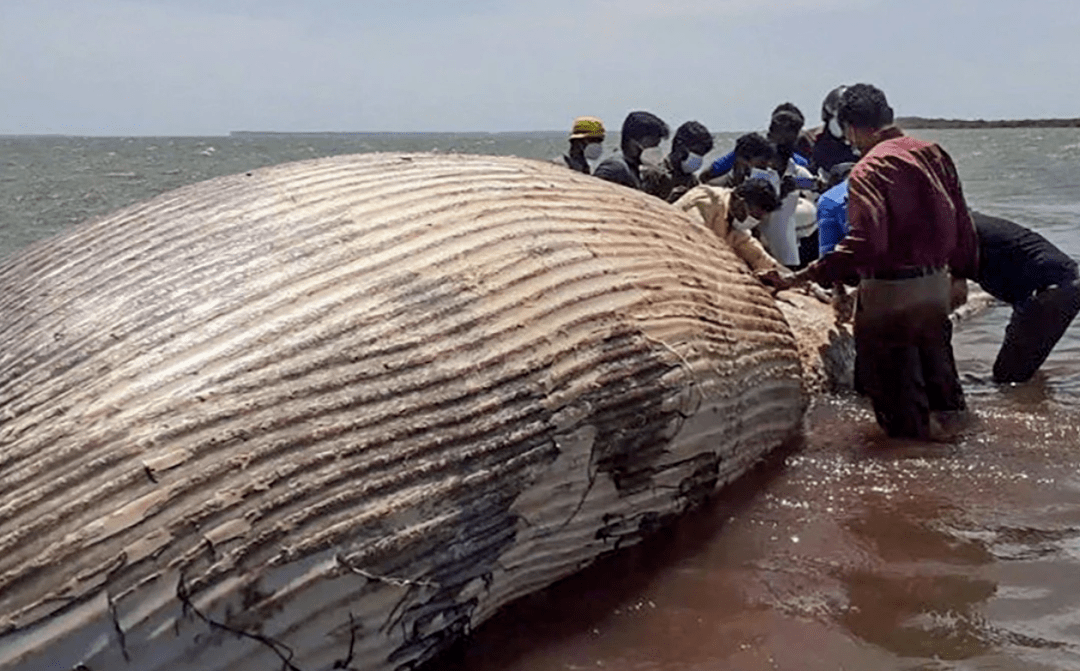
[[586, 143], [641, 134], [909, 226]]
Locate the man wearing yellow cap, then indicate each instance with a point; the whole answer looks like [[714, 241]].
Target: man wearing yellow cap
[[586, 143]]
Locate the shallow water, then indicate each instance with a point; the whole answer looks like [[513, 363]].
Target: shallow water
[[850, 551], [853, 551], [846, 551]]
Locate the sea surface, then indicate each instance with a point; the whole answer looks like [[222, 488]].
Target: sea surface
[[847, 551]]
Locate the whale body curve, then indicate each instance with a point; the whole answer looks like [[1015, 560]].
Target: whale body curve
[[335, 413]]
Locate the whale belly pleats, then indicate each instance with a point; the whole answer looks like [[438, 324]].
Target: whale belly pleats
[[342, 410]]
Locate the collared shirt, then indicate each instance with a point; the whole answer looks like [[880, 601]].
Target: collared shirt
[[712, 205], [905, 209], [832, 217], [621, 170]]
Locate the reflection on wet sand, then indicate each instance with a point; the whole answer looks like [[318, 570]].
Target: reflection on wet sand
[[916, 530], [925, 600], [920, 616]]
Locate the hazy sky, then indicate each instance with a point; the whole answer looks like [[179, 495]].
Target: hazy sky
[[195, 67]]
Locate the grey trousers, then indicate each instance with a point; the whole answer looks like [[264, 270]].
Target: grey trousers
[[903, 353], [1036, 325]]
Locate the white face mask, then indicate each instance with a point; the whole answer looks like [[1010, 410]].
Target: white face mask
[[834, 128], [652, 155], [691, 163], [593, 150]]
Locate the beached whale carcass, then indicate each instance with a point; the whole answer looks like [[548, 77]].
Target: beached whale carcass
[[333, 414]]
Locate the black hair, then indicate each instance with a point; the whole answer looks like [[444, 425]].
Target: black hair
[[838, 173], [759, 193], [789, 107], [694, 136], [788, 124], [643, 124], [753, 145], [864, 106], [788, 121]]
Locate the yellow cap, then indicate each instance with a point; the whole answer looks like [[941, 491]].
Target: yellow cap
[[588, 127]]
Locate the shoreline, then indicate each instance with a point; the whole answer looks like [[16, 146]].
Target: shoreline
[[925, 122]]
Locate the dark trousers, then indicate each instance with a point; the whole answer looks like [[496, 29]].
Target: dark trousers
[[903, 353], [808, 249], [907, 382], [1036, 325]]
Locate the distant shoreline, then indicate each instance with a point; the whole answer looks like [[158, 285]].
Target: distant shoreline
[[924, 122], [912, 122]]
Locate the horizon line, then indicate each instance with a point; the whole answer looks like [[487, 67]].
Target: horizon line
[[908, 121]]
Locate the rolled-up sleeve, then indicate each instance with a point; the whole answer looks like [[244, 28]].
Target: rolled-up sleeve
[[723, 164]]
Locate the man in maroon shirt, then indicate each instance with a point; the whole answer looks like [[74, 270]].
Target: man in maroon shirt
[[909, 228]]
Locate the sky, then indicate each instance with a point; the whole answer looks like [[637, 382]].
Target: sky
[[208, 67]]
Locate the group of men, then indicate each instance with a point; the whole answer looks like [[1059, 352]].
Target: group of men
[[788, 232], [891, 219]]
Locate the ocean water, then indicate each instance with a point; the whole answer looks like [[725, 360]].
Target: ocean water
[[848, 551]]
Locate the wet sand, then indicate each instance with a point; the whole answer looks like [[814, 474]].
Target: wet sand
[[848, 551]]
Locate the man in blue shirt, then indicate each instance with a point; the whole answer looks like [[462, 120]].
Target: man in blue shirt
[[725, 163], [784, 128], [832, 209]]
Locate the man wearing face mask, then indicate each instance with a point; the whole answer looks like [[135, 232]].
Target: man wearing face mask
[[752, 150], [785, 128], [641, 136], [675, 175], [723, 210], [830, 147], [791, 231], [909, 228], [586, 143]]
